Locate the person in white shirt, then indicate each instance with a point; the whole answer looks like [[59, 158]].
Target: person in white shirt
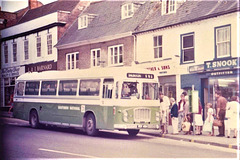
[[232, 111], [164, 108]]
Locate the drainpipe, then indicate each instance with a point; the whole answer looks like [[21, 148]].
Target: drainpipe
[[134, 48]]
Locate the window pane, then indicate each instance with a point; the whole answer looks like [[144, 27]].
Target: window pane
[[49, 88], [160, 52], [68, 87], [20, 88], [188, 41], [73, 61], [159, 40], [32, 88], [77, 60], [89, 87], [155, 41], [188, 55], [155, 52]]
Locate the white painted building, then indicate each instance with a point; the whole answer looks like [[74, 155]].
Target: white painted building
[[29, 45], [178, 45]]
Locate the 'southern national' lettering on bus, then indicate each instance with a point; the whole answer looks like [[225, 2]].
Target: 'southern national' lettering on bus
[[63, 107]]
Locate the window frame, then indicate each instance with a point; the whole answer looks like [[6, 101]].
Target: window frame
[[26, 49], [14, 49], [74, 62], [157, 46], [83, 21], [49, 44], [39, 46], [167, 5], [228, 41], [6, 50], [95, 58], [183, 49], [111, 56], [125, 10]]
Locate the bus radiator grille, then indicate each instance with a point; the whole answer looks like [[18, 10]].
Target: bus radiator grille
[[142, 115]]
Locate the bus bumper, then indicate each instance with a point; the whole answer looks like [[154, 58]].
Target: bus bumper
[[136, 126]]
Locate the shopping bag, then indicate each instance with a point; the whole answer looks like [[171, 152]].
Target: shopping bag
[[217, 122], [207, 127], [186, 126]]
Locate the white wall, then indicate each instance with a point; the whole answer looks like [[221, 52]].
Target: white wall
[[32, 49], [204, 40]]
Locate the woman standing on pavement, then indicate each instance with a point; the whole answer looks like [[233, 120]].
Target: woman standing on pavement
[[174, 115], [232, 117], [181, 111]]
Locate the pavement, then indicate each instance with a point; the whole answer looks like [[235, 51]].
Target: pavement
[[203, 139]]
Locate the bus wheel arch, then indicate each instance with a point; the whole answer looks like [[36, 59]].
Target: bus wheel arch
[[89, 124], [34, 118]]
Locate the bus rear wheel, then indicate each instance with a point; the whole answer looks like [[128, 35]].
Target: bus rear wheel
[[133, 132], [91, 125], [34, 121]]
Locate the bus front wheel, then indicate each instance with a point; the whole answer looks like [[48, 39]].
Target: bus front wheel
[[91, 125], [133, 132], [34, 121]]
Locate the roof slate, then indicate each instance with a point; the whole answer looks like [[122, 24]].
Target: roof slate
[[189, 11], [48, 9], [106, 23]]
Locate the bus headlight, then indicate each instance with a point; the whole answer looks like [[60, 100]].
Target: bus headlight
[[125, 116], [157, 116]]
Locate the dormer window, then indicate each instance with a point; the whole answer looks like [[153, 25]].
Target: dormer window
[[127, 10], [82, 21], [169, 6]]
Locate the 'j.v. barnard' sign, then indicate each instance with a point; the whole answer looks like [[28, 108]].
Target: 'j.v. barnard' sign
[[223, 63]]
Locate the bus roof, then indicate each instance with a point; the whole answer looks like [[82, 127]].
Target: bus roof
[[116, 72]]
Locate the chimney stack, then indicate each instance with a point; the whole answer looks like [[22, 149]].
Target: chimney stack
[[34, 4]]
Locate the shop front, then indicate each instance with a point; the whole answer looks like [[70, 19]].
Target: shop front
[[9, 75], [217, 75]]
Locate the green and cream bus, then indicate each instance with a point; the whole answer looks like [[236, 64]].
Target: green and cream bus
[[92, 99]]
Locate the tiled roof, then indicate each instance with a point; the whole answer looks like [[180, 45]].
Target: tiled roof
[[106, 23], [48, 9], [189, 11]]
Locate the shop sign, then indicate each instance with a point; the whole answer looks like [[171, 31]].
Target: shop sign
[[222, 73], [12, 71], [40, 67], [224, 63], [160, 68], [196, 68]]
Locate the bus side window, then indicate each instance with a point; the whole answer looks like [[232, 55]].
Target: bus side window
[[49, 88], [68, 87], [20, 88], [89, 87], [32, 88], [107, 88]]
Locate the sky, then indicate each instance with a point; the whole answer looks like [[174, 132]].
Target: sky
[[15, 5]]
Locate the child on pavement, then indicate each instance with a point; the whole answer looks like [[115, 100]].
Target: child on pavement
[[210, 118]]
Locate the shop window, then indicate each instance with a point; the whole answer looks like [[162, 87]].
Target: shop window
[[95, 57], [223, 41], [20, 88], [32, 88], [68, 87], [107, 88], [89, 87], [116, 54], [49, 88], [157, 46], [187, 48]]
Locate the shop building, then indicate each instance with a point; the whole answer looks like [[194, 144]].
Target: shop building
[[28, 46], [178, 40]]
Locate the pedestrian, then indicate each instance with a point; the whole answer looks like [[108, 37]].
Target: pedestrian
[[11, 103], [164, 108], [181, 111], [198, 118], [232, 116], [221, 111], [174, 115], [208, 124]]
